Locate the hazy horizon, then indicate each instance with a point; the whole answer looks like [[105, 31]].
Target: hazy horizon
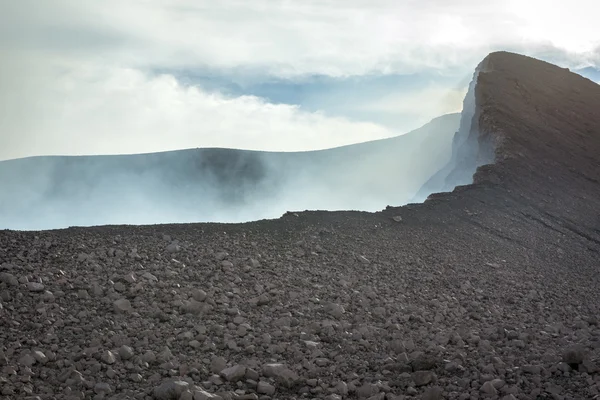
[[219, 185]]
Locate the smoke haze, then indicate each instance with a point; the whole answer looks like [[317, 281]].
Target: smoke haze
[[219, 185]]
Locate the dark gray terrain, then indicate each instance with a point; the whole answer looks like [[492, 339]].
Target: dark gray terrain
[[490, 291], [219, 185]]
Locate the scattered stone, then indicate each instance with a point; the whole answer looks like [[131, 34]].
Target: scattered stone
[[122, 306], [40, 357], [173, 248], [498, 383], [488, 389], [234, 374], [150, 277], [9, 279], [187, 395], [433, 393], [27, 360], [119, 287], [108, 357], [574, 355], [218, 364], [363, 259], [35, 287], [589, 366], [102, 388], [130, 278], [125, 352], [336, 310], [48, 297], [252, 374], [265, 388], [422, 378], [281, 373], [149, 357], [170, 390], [532, 369], [203, 395], [97, 290], [367, 390], [342, 388], [199, 295], [424, 362], [226, 265]]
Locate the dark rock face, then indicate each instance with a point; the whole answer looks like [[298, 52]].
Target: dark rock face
[[488, 291]]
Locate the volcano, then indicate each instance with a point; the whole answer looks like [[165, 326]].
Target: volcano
[[488, 289]]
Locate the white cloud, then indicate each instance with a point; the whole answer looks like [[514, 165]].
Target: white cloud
[[63, 108], [285, 37], [424, 103]]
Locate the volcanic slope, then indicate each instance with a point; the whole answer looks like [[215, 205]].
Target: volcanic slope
[[490, 291]]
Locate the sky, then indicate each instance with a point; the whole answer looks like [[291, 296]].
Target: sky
[[114, 77]]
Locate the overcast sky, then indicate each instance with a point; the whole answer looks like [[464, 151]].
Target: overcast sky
[[114, 76]]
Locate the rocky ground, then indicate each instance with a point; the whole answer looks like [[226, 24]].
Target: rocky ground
[[486, 293]]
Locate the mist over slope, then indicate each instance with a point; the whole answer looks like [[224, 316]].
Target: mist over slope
[[219, 185], [470, 149]]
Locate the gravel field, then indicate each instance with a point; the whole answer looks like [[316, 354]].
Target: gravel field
[[489, 292]]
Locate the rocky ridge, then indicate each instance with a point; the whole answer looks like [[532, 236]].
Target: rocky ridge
[[487, 292]]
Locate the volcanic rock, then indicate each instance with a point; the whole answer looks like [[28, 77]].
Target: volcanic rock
[[170, 390], [281, 373]]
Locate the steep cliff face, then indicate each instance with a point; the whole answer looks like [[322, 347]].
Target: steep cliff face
[[537, 153], [544, 125], [529, 127]]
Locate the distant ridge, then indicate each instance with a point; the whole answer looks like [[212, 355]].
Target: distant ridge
[[218, 185]]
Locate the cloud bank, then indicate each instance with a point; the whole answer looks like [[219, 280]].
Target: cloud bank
[[90, 109], [79, 77]]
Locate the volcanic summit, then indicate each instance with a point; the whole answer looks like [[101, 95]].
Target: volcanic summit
[[490, 291]]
